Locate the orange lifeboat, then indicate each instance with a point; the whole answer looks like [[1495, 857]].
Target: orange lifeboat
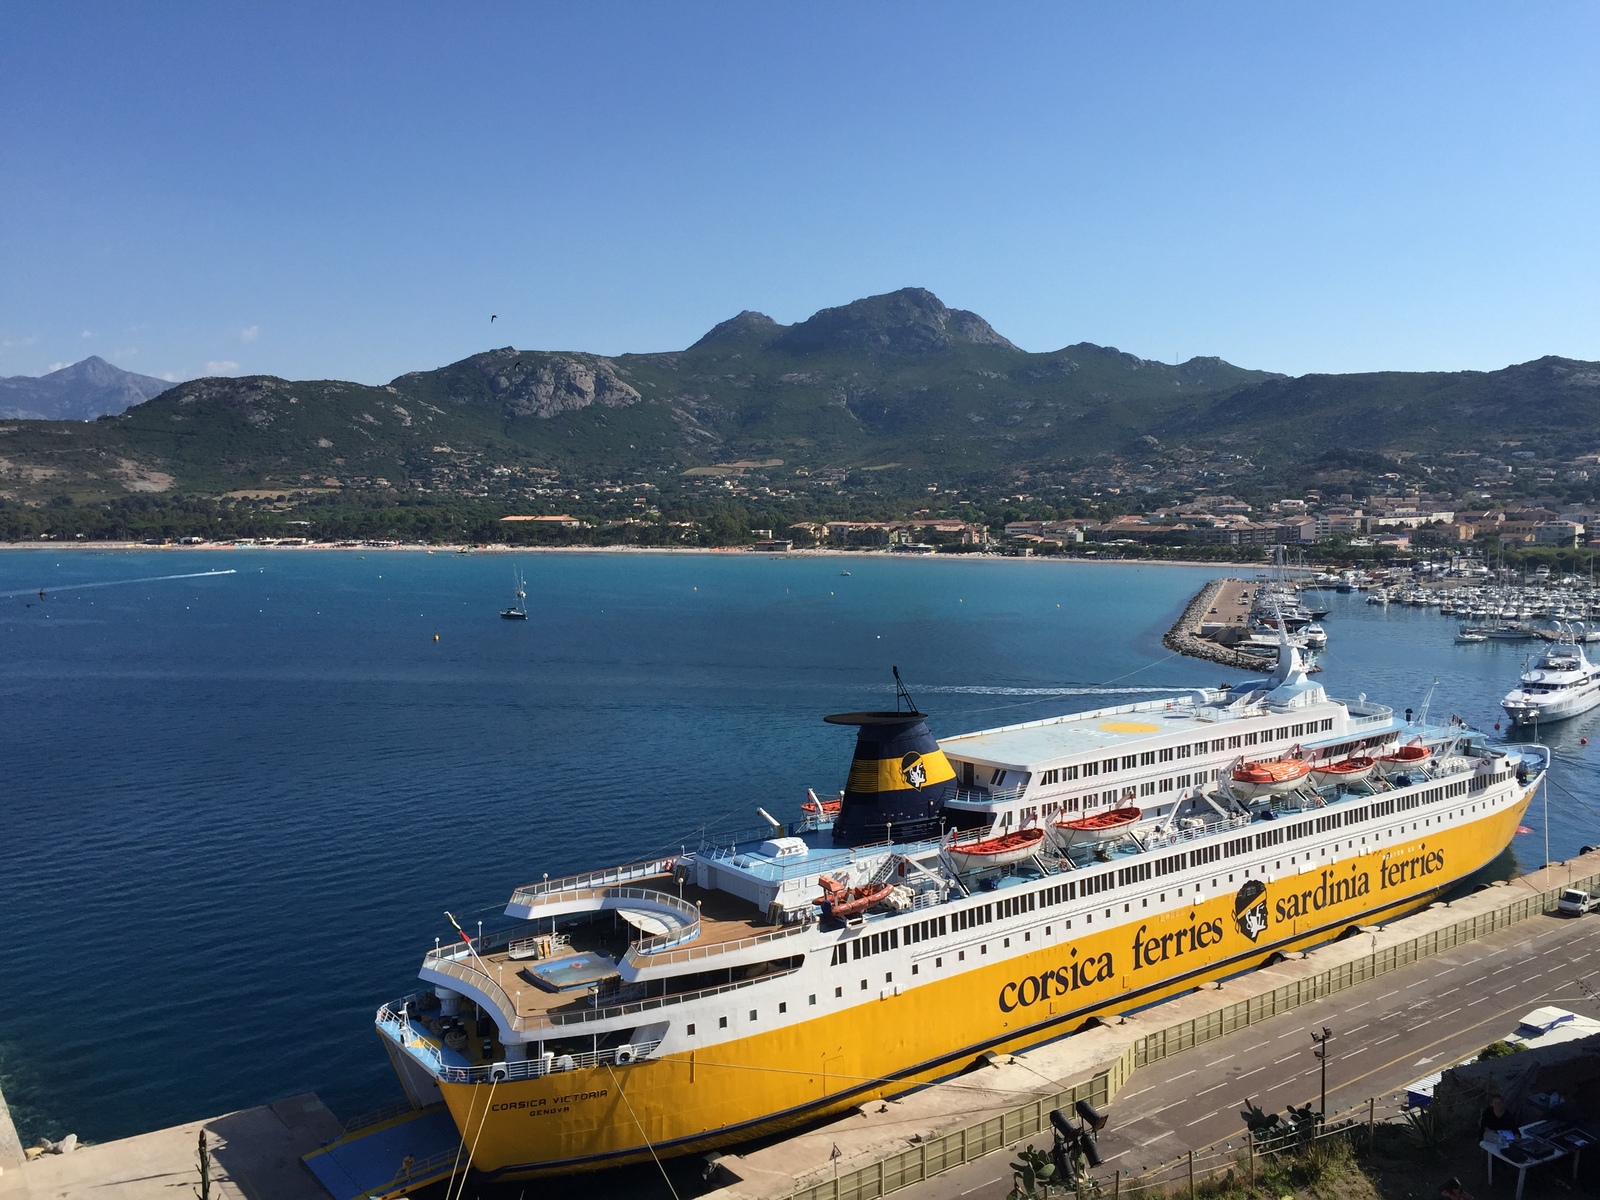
[[1269, 778], [837, 900], [996, 852], [1345, 769], [823, 808], [1407, 756], [1099, 827]]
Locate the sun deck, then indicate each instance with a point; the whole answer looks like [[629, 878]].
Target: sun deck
[[1024, 746]]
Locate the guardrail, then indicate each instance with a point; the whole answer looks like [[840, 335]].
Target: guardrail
[[939, 1154], [639, 957], [592, 879]]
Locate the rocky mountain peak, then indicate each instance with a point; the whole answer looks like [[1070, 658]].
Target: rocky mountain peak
[[911, 321], [746, 325], [81, 392]]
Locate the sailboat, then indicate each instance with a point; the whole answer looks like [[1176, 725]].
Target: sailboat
[[519, 608]]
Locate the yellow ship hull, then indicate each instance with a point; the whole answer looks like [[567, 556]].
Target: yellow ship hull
[[739, 1090]]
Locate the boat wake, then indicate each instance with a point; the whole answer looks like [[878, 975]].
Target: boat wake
[[1065, 690]]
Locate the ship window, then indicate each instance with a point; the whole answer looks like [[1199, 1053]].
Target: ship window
[[1183, 751], [1027, 935], [1130, 761], [1147, 759], [983, 949], [1008, 944], [1109, 765], [812, 999], [1166, 754], [1163, 897], [1090, 769], [722, 1022], [752, 1014], [1072, 772], [888, 976], [689, 1029], [838, 993], [863, 985], [938, 962], [913, 968], [783, 1006], [961, 956], [1251, 738], [1235, 742]]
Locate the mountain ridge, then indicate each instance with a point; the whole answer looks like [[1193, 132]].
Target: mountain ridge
[[86, 389], [897, 379]]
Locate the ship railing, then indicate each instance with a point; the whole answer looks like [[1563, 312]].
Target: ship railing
[[1210, 829], [617, 897], [987, 795], [1364, 712], [552, 1064], [621, 1010], [397, 1026], [559, 1020], [642, 955], [592, 879]]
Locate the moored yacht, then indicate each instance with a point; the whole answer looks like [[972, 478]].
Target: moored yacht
[[1561, 683]]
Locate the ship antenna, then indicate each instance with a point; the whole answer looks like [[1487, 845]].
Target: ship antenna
[[900, 693]]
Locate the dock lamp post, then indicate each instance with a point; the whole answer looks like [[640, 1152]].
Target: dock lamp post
[[1322, 1057]]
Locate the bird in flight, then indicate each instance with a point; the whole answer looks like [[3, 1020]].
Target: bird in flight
[[492, 317]]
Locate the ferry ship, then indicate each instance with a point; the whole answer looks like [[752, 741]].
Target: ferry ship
[[706, 998]]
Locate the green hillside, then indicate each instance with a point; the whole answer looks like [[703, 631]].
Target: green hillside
[[898, 380]]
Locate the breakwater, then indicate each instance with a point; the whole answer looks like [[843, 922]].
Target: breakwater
[[1184, 636]]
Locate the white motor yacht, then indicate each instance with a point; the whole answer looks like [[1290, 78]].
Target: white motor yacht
[[1561, 683]]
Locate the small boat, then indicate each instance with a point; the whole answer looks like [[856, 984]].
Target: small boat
[[996, 852], [1099, 827], [815, 807], [1358, 767], [519, 609], [1316, 636], [1471, 637], [1269, 778], [844, 572], [837, 900], [1406, 756]]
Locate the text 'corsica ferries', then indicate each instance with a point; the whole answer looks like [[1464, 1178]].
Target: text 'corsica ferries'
[[987, 892]]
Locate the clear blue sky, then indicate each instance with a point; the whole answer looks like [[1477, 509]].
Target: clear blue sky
[[349, 191]]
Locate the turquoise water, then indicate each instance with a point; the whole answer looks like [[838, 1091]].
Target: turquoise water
[[235, 808]]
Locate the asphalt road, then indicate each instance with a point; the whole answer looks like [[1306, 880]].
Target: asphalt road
[[1387, 1033]]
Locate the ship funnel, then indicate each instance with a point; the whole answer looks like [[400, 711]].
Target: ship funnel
[[899, 779]]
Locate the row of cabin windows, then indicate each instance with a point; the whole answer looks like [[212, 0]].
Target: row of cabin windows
[[1149, 758], [1114, 796], [1061, 893], [865, 947]]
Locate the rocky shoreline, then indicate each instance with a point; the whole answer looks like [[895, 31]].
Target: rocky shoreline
[[1184, 636]]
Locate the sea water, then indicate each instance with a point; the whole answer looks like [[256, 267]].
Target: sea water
[[236, 808]]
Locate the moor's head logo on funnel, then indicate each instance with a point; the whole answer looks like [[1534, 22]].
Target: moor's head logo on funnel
[[913, 770], [1250, 909]]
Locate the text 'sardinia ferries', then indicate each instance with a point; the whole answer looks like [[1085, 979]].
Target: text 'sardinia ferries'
[[714, 996]]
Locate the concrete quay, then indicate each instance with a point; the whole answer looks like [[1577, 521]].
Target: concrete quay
[[954, 1131], [255, 1155]]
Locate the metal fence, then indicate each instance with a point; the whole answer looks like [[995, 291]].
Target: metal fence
[[938, 1154]]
